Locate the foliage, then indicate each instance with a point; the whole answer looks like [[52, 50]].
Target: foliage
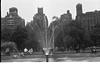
[[72, 36], [32, 41], [6, 35], [18, 36], [11, 45], [95, 35]]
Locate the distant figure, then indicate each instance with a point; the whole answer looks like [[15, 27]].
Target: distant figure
[[30, 51], [25, 50], [15, 56], [7, 51], [51, 52], [43, 51], [77, 50], [93, 49], [56, 48], [21, 54]]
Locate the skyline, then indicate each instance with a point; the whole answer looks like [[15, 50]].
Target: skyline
[[51, 7]]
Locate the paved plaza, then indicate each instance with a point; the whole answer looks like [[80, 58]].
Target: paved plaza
[[78, 57], [65, 59]]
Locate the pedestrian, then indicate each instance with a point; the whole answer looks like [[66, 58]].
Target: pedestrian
[[94, 49], [22, 54], [43, 51], [30, 51], [51, 52], [91, 49], [25, 50], [7, 51]]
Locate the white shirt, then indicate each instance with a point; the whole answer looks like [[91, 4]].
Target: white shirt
[[25, 50]]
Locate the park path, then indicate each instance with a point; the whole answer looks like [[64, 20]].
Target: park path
[[79, 57], [64, 59]]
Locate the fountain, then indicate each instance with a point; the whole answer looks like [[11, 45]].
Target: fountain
[[46, 43]]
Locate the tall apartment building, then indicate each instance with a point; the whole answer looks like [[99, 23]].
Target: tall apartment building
[[89, 19], [12, 20], [40, 18], [66, 18]]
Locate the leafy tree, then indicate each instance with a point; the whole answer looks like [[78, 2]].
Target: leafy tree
[[11, 45], [19, 36], [95, 35], [80, 35], [6, 35], [32, 40], [72, 35]]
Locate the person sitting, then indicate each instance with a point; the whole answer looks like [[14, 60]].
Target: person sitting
[[25, 50], [30, 51]]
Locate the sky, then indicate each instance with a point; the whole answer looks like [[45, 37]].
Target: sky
[[28, 8]]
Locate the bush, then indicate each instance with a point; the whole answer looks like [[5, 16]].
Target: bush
[[8, 45]]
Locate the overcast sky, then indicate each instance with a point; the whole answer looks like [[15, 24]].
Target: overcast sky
[[28, 8]]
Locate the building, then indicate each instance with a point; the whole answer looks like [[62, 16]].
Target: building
[[89, 19], [66, 18], [40, 18], [2, 23], [12, 20]]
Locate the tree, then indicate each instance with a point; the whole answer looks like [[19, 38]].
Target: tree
[[95, 35], [80, 35], [19, 36], [32, 40], [6, 35], [11, 45], [72, 35]]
